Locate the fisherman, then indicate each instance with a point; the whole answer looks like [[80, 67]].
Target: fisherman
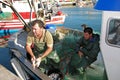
[[87, 50], [41, 15], [39, 45]]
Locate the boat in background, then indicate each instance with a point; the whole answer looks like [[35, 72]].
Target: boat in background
[[28, 10]]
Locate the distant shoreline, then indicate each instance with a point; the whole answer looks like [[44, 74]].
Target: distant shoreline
[[73, 4]]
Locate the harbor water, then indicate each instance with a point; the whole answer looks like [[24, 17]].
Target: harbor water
[[76, 16]]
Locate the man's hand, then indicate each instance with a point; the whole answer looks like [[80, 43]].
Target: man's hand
[[38, 61], [80, 54]]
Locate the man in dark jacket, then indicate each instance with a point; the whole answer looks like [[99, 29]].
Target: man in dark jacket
[[88, 48]]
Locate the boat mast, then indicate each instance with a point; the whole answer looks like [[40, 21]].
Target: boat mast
[[30, 10], [34, 6]]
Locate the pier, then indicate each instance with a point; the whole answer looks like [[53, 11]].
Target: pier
[[6, 70], [5, 74]]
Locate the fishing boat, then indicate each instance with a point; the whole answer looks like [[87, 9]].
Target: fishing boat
[[9, 22], [110, 39]]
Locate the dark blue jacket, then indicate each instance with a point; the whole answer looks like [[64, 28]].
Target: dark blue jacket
[[89, 48]]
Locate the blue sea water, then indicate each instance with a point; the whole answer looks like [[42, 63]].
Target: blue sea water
[[5, 58], [76, 16]]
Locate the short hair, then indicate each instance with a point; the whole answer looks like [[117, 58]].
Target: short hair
[[39, 22], [88, 30]]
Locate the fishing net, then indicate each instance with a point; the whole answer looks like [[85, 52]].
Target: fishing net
[[64, 58], [65, 49]]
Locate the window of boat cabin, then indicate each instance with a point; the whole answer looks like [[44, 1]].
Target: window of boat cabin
[[114, 32]]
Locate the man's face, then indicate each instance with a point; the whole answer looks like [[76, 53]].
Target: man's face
[[87, 35], [36, 30]]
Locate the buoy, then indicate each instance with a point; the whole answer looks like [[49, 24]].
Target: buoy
[[59, 12]]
